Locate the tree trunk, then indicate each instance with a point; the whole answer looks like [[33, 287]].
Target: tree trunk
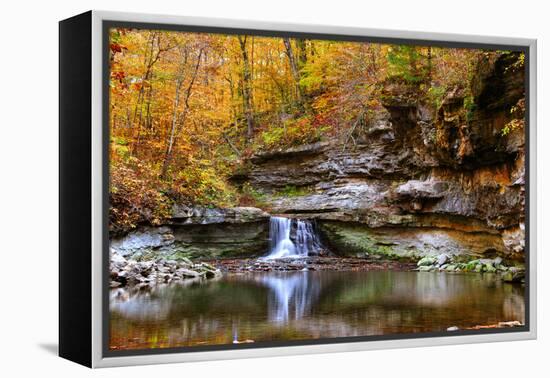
[[150, 59], [174, 123], [429, 75], [295, 72], [247, 90], [178, 120], [301, 45]]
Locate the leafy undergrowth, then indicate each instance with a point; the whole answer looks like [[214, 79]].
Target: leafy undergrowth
[[139, 195], [135, 197], [293, 132], [292, 191], [248, 196]]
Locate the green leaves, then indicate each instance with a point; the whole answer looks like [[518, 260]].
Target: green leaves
[[407, 62]]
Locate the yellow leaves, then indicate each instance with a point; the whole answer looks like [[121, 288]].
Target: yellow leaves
[[135, 196], [518, 122], [154, 114], [298, 131], [200, 182]]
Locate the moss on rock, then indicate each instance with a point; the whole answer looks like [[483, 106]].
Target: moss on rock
[[349, 239]]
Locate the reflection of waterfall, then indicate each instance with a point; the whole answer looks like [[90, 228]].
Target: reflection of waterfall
[[281, 244], [294, 295]]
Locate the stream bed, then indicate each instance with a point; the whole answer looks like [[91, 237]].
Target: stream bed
[[304, 305]]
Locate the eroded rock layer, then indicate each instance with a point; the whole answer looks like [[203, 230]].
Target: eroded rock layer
[[416, 181], [199, 233]]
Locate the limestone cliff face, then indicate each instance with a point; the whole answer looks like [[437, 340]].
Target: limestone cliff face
[[198, 232], [418, 180]]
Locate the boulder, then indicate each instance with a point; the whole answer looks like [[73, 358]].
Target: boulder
[[187, 273], [426, 261], [514, 275], [144, 238], [442, 259], [425, 268]]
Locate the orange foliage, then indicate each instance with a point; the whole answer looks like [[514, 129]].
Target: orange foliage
[[185, 108]]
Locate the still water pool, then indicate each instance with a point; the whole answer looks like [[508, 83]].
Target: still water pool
[[257, 307]]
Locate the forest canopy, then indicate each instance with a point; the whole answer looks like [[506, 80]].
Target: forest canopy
[[186, 109]]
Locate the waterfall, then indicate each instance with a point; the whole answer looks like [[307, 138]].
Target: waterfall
[[279, 236], [281, 245], [307, 240]]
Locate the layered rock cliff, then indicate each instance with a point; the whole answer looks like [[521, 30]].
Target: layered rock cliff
[[199, 232], [419, 179]]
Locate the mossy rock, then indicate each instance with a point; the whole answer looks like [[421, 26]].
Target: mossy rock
[[489, 268], [471, 266], [350, 239], [425, 268], [427, 261], [513, 277], [185, 252]]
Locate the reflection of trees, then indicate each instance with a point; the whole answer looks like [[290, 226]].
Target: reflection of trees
[[390, 302], [281, 306], [180, 315], [411, 288], [172, 302]]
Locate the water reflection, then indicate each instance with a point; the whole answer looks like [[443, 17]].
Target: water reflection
[[291, 296], [305, 305]]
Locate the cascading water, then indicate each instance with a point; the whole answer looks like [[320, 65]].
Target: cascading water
[[279, 235], [307, 240], [282, 246]]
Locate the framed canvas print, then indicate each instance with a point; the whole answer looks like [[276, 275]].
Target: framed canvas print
[[235, 189]]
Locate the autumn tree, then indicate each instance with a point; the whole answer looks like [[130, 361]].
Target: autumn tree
[[294, 67], [409, 63], [179, 116], [187, 108], [247, 88]]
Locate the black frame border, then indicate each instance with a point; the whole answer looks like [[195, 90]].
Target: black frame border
[[75, 189]]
